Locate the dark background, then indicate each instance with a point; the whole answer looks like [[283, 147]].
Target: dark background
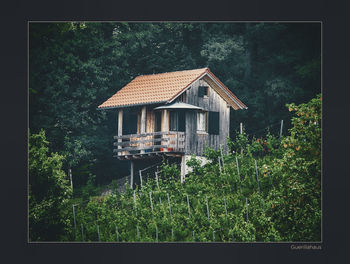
[[14, 108]]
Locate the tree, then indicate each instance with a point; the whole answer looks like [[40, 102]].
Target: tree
[[49, 192], [296, 201]]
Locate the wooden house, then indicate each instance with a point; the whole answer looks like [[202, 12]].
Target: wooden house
[[173, 115]]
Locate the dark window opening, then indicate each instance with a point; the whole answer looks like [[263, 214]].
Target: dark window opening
[[214, 123], [158, 121], [177, 121], [203, 91], [129, 122]]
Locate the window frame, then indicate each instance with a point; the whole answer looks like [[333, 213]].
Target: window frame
[[205, 120], [203, 95]]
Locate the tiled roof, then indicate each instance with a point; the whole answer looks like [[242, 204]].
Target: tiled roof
[[157, 88]]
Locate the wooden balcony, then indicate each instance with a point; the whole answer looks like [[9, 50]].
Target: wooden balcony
[[137, 146]]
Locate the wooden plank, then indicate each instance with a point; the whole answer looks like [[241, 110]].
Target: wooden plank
[[137, 148], [125, 143], [147, 134]]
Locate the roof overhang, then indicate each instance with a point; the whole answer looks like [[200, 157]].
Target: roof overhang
[[129, 105], [178, 106]]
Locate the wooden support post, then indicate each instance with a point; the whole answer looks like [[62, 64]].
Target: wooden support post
[[165, 127], [131, 174], [172, 234], [281, 128], [219, 165], [213, 235], [138, 233], [140, 174], [120, 128], [143, 126]]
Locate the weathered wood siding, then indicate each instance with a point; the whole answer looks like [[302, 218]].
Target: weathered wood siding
[[196, 142]]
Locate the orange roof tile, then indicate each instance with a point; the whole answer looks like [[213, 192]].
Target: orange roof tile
[[157, 88]]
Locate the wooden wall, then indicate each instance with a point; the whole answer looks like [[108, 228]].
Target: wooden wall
[[195, 142]]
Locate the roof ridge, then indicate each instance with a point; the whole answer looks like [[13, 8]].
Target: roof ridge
[[153, 74]]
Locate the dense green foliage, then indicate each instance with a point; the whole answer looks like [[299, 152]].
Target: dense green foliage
[[49, 192], [74, 67], [274, 194]]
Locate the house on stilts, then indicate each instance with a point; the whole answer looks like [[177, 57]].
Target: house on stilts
[[171, 115]]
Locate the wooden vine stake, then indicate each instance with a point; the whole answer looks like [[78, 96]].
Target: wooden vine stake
[[138, 233], [156, 173], [263, 204], [207, 207], [172, 234], [281, 128], [225, 206], [82, 231], [98, 233], [193, 235], [156, 233], [75, 223], [188, 206], [222, 158], [241, 131], [140, 174], [150, 198], [237, 168], [213, 235], [219, 164], [169, 206], [257, 179], [246, 203], [135, 203]]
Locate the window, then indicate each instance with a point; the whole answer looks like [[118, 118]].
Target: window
[[177, 121], [157, 121], [129, 122], [203, 91], [214, 123], [202, 121]]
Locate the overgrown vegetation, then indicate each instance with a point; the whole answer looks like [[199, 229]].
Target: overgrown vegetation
[[274, 194]]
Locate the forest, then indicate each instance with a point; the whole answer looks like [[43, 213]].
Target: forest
[[74, 67]]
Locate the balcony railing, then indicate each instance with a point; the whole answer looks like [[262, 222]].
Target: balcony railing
[[149, 143]]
